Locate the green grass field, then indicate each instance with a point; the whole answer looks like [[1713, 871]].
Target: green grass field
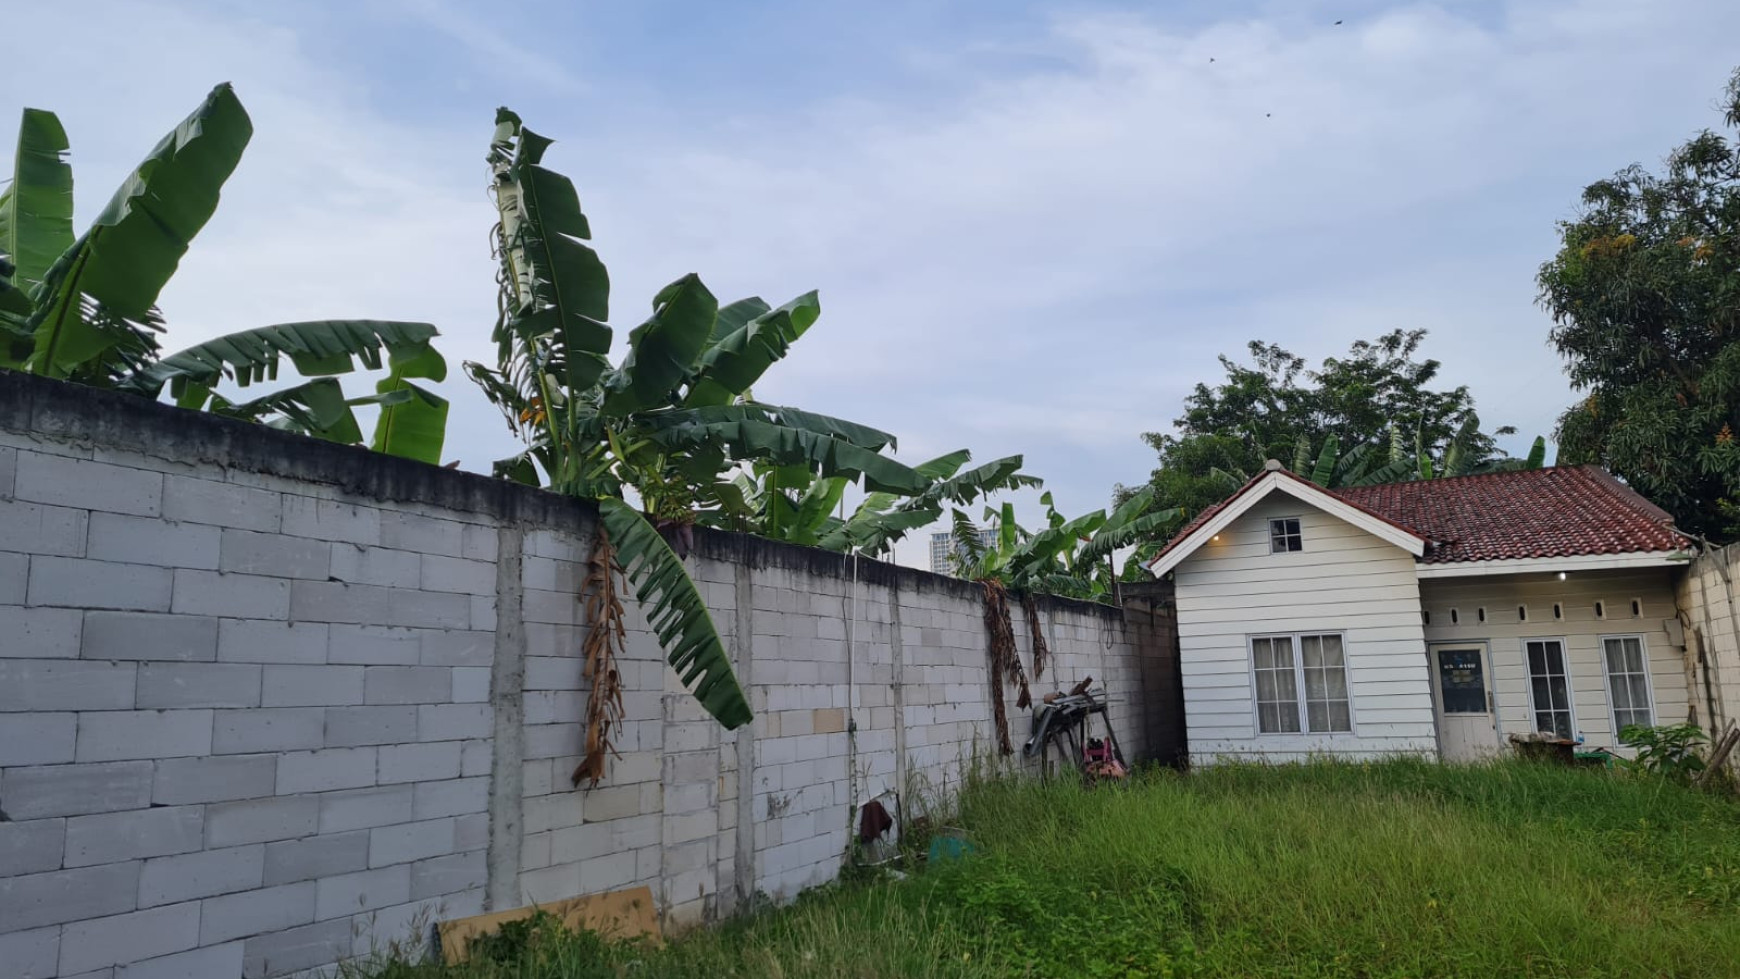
[[1392, 869]]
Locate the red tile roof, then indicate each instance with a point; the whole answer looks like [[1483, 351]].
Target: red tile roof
[[1563, 511]]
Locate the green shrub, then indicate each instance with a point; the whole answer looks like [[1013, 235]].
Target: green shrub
[[1670, 751]]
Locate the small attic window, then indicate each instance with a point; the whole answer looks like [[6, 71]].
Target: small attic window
[[1522, 613], [1558, 611], [1637, 608], [1455, 617], [1426, 616], [1480, 614], [1284, 535], [1601, 610]]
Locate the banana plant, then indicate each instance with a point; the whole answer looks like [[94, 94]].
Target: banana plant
[[1360, 465], [84, 308], [794, 505], [1068, 557], [672, 422]]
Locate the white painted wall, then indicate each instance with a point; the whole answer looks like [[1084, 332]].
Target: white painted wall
[[1581, 630], [1345, 580]]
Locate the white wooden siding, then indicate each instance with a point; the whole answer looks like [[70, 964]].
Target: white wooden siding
[[1345, 580], [1580, 630]]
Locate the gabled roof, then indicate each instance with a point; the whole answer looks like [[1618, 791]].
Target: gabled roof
[[1499, 519], [1273, 479], [1564, 511]]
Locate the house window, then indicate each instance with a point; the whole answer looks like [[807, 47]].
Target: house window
[[1455, 617], [1522, 613], [1628, 681], [1480, 614], [1549, 686], [1286, 665], [1426, 616], [1558, 611], [1600, 610], [1637, 608], [1284, 535]]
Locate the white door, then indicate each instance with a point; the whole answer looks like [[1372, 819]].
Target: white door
[[1466, 729]]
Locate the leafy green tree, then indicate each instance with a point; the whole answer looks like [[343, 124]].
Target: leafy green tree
[[1645, 298], [1276, 407], [84, 308]]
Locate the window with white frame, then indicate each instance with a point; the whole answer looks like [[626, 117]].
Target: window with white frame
[[1301, 684], [1549, 687], [1628, 681], [1285, 536]]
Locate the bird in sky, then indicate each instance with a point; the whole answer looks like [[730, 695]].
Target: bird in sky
[[1338, 23]]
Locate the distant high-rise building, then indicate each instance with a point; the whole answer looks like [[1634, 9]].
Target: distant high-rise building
[[943, 547]]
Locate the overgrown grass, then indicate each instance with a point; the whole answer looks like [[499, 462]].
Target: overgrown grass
[[1392, 869]]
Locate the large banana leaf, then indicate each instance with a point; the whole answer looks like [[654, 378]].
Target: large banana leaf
[[561, 288], [663, 350], [812, 519], [317, 408], [109, 280], [1394, 472], [14, 312], [36, 209], [993, 476], [786, 436], [1325, 468], [1537, 453], [316, 348], [677, 613], [414, 427], [735, 360]]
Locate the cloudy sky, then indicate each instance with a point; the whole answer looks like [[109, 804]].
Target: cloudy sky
[[1033, 225]]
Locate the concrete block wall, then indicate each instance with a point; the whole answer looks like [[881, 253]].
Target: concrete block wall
[[1709, 614], [267, 702]]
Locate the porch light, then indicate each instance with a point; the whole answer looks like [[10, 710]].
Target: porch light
[[1215, 538], [1561, 576]]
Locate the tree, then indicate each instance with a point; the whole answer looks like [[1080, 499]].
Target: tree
[[85, 309], [1645, 298], [672, 422], [1275, 405]]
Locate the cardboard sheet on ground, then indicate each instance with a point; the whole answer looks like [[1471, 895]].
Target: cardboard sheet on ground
[[618, 914]]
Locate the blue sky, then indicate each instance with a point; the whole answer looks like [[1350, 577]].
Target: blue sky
[[1033, 225]]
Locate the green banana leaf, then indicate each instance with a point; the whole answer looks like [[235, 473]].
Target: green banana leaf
[[663, 350], [734, 316], [826, 446], [317, 408], [36, 209], [1537, 453], [566, 303], [316, 349], [1325, 468], [414, 427], [1398, 471], [735, 360], [97, 293], [676, 612]]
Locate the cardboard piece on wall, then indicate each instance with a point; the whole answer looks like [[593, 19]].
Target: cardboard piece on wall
[[618, 914]]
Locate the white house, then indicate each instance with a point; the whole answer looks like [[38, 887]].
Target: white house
[[1432, 617]]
